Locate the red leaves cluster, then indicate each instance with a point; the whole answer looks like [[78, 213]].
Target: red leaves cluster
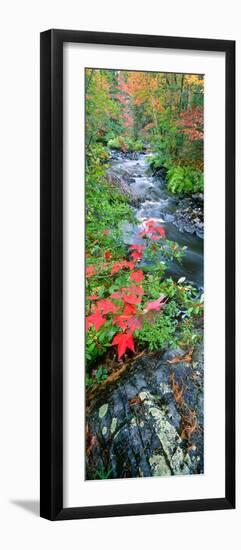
[[157, 304], [131, 298], [191, 123], [103, 307], [128, 120], [96, 320], [152, 230], [121, 265], [90, 271], [127, 323], [123, 96], [129, 294], [137, 276], [108, 255], [124, 341], [129, 309], [125, 314], [106, 306], [136, 252]]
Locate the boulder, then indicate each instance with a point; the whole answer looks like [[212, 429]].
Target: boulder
[[141, 427]]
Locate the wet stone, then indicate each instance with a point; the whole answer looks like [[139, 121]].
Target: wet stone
[[137, 423]]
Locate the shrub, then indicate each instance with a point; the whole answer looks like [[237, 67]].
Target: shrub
[[125, 144], [134, 145], [97, 154], [184, 179], [132, 305], [114, 143]]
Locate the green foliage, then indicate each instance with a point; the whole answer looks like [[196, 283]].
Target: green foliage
[[158, 335], [106, 208], [102, 112], [97, 155], [101, 473], [164, 251], [184, 179], [135, 145], [97, 377], [125, 144], [176, 325], [156, 161], [114, 143]]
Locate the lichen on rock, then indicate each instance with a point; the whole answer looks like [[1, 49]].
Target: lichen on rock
[[103, 410], [137, 424]]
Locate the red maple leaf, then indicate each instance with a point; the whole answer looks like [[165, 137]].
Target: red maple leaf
[[117, 295], [155, 232], [134, 289], [137, 290], [129, 309], [130, 265], [131, 298], [90, 271], [149, 224], [156, 305], [161, 231], [106, 306], [125, 322], [137, 276], [121, 265], [93, 297], [136, 253], [121, 321], [96, 320], [123, 341], [116, 267], [108, 255]]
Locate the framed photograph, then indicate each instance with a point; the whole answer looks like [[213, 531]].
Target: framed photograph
[[137, 274]]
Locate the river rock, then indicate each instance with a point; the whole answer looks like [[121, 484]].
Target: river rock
[[140, 427], [189, 215]]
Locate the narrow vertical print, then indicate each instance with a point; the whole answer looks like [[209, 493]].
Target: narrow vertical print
[[144, 218]]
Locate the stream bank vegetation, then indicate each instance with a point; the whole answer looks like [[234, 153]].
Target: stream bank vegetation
[[129, 307], [133, 305]]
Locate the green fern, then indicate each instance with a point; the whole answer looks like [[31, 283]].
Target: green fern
[[184, 179]]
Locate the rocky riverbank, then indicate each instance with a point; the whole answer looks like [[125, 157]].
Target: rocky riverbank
[[189, 215], [150, 421]]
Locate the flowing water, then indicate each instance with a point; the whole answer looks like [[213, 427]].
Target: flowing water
[[154, 201]]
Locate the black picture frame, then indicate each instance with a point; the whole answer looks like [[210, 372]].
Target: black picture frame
[[51, 325]]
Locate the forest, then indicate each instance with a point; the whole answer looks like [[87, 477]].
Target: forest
[[144, 179]]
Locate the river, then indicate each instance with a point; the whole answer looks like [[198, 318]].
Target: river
[[152, 200]]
